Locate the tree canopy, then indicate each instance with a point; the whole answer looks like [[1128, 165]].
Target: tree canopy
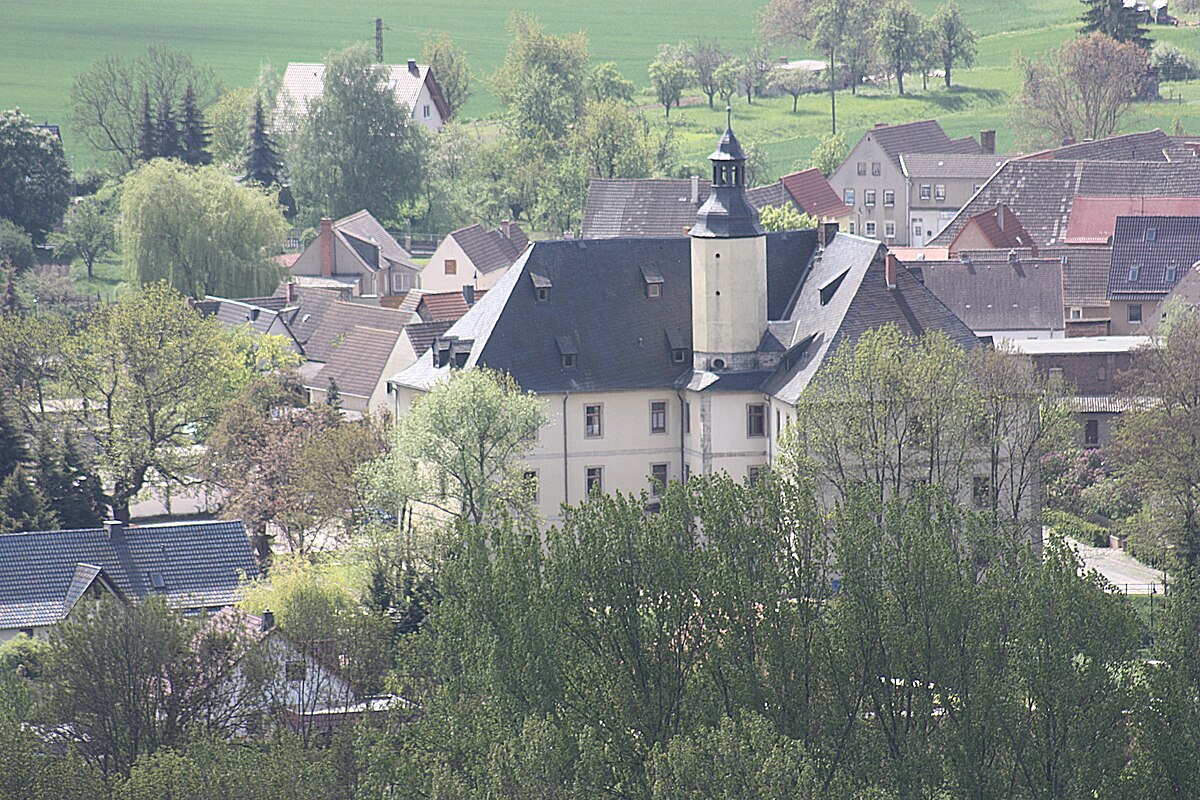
[[34, 179]]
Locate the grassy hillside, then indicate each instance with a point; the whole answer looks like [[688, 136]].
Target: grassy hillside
[[43, 45]]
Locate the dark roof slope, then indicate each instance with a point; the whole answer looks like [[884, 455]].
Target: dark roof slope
[[1041, 192], [1159, 249], [951, 165], [490, 250], [363, 227], [999, 295], [1147, 146], [357, 361], [340, 318], [925, 136], [201, 565], [423, 334], [1084, 273]]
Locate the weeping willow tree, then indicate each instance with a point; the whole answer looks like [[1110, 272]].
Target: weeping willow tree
[[199, 230]]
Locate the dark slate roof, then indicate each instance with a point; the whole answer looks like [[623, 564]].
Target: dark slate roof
[[925, 136], [490, 250], [341, 317], [657, 207], [951, 165], [1041, 192], [998, 295], [1152, 245], [42, 574], [1084, 272], [357, 361], [305, 313], [1149, 146], [598, 305]]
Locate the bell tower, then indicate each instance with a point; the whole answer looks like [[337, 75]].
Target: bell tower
[[729, 267]]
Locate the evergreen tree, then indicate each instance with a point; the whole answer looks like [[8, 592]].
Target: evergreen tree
[[13, 452], [333, 396], [194, 133], [166, 131], [72, 491], [23, 507], [262, 155], [1114, 20], [147, 144]]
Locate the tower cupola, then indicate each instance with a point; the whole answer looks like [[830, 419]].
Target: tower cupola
[[726, 214]]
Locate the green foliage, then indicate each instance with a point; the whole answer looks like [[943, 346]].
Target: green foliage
[[785, 218], [263, 165], [16, 251], [954, 43], [193, 134], [1173, 63], [166, 138], [90, 232], [899, 32], [795, 82], [670, 74], [65, 477], [23, 507], [829, 153], [448, 62], [357, 148], [34, 179], [542, 79], [1113, 19], [1064, 523], [178, 225], [24, 656], [605, 82], [229, 119]]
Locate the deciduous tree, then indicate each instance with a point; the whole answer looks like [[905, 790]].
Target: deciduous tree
[[899, 32], [90, 232], [706, 56], [670, 74], [605, 82], [542, 79], [785, 218], [829, 153], [794, 82], [34, 179], [953, 41], [448, 63]]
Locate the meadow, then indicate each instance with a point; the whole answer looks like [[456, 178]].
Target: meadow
[[44, 45]]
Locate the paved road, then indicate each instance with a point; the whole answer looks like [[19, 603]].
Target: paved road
[[1121, 569]]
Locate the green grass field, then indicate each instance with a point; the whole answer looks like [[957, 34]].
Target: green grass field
[[44, 45]]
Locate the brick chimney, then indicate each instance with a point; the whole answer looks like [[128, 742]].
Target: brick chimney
[[889, 270], [412, 66], [825, 233], [114, 529], [987, 142], [326, 236], [289, 292]]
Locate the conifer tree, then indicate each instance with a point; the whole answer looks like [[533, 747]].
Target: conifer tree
[[73, 493], [194, 132], [166, 131], [13, 452], [262, 155], [1114, 20], [147, 144], [23, 507]]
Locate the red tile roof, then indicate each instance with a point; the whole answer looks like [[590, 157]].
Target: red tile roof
[[1000, 227], [1093, 218], [813, 193], [443, 306]]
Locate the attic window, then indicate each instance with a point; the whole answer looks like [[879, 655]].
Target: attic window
[[541, 287], [1171, 273], [568, 360], [678, 355], [156, 580], [1134, 272], [568, 350], [830, 288], [1151, 234], [654, 290], [654, 281]]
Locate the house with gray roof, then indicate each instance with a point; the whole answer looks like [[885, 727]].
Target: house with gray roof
[[661, 357], [414, 85], [358, 256], [877, 187], [1150, 256], [194, 566], [473, 256]]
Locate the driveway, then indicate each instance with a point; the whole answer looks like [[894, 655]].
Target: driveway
[[1121, 569]]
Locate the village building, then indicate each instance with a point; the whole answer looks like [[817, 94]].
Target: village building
[[937, 185], [1150, 255], [473, 256], [415, 86], [356, 254], [662, 358]]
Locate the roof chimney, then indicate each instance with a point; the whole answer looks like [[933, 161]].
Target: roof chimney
[[412, 66], [268, 620], [987, 142], [1000, 216], [1013, 258], [114, 529], [1068, 141], [695, 189], [289, 292], [825, 233], [889, 270], [326, 237], [468, 294]]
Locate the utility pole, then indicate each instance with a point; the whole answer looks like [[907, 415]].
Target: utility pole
[[379, 39]]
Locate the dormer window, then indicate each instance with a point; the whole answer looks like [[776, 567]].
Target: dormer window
[[678, 355], [541, 287], [568, 351], [653, 279]]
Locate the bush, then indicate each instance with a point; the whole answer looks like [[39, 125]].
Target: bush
[[1174, 63], [1067, 524], [15, 246], [1146, 537]]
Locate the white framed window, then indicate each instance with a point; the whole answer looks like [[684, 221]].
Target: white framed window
[[593, 420], [925, 191], [889, 229], [756, 420], [918, 230], [889, 197], [425, 112], [939, 192], [1135, 312], [848, 196], [869, 197], [869, 229], [1076, 312], [594, 479], [658, 416]]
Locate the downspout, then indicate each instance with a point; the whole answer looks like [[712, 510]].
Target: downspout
[[770, 430], [683, 421], [566, 470]]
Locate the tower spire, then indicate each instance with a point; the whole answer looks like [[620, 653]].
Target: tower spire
[[727, 214]]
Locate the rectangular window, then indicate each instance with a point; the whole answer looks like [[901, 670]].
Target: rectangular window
[[1076, 312], [862, 168], [531, 484], [918, 231], [594, 480], [1135, 312], [869, 228], [939, 192], [755, 473], [654, 290], [851, 228], [889, 197], [568, 360], [876, 168], [756, 420], [889, 229], [425, 112], [593, 421], [848, 197], [1101, 373], [1056, 374], [1171, 272], [658, 416], [687, 417], [1091, 432], [981, 492], [658, 479], [975, 190], [1135, 272], [687, 472], [451, 266], [1151, 234], [925, 189], [869, 197]]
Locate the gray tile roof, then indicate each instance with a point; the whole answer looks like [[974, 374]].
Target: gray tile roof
[[951, 165], [340, 318], [490, 250], [357, 361], [423, 334], [998, 295], [925, 136], [658, 207], [305, 314], [597, 302], [1162, 249], [43, 574], [1085, 273], [1144, 146], [360, 228], [1040, 192]]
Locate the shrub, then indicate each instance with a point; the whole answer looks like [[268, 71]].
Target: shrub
[[15, 246], [1067, 524], [1174, 63]]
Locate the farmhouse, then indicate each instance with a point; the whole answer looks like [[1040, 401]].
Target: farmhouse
[[415, 86], [473, 256], [357, 253]]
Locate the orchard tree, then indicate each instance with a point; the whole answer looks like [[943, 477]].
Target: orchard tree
[[178, 225], [543, 79], [1082, 89], [727, 78], [953, 42], [107, 105], [605, 82], [90, 232], [448, 63], [829, 153], [670, 74], [357, 147], [899, 32], [794, 82], [706, 57], [459, 446], [34, 179]]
